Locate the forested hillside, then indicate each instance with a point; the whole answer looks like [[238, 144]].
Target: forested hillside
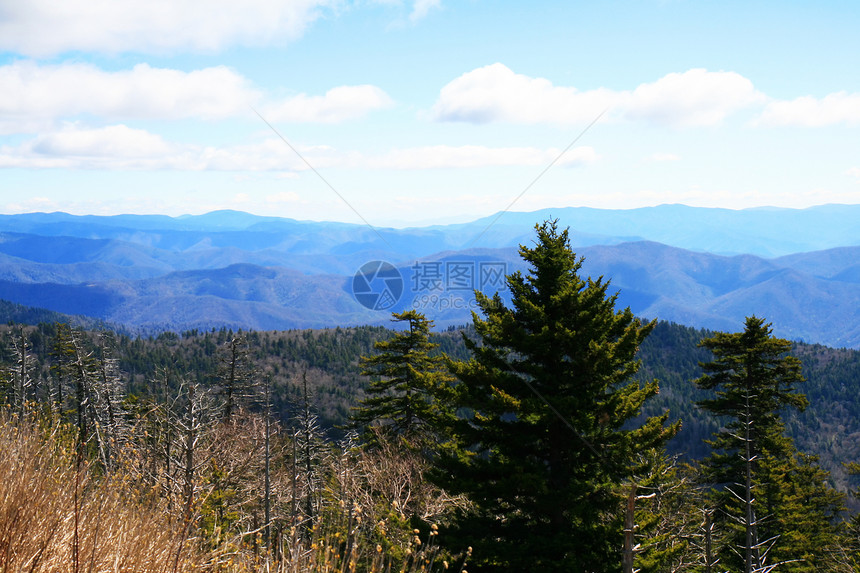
[[183, 416], [829, 427], [328, 359], [12, 313]]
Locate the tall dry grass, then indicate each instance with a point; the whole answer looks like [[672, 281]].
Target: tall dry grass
[[55, 517], [58, 514]]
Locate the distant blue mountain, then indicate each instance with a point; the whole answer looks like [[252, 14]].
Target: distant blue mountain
[[766, 232], [799, 269]]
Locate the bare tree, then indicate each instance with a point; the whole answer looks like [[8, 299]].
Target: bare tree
[[236, 376], [110, 424], [308, 455], [21, 371]]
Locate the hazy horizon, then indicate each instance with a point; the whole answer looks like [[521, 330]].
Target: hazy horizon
[[454, 220]]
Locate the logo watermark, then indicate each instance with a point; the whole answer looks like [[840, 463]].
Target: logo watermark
[[377, 285], [434, 285]]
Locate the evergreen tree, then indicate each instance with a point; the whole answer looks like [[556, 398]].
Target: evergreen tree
[[410, 392], [552, 436], [851, 541], [778, 505]]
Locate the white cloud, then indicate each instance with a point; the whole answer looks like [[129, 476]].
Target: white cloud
[[853, 172], [115, 147], [33, 92], [337, 105], [694, 98], [417, 10], [34, 95], [268, 155], [807, 111], [46, 27], [421, 8], [110, 141], [495, 93], [119, 147], [471, 156]]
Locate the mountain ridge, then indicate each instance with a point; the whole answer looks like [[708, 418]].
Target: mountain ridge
[[764, 231], [656, 281], [235, 269]]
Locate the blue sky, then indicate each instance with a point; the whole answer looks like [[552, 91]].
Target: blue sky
[[426, 111]]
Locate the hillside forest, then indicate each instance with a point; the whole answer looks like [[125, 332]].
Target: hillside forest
[[557, 433]]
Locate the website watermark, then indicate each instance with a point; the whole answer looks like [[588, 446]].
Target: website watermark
[[429, 285], [440, 302]]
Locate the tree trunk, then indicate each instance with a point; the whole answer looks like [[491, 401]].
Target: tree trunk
[[629, 526]]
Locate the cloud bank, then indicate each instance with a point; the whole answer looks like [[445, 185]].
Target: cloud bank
[[35, 95], [41, 28], [833, 109], [119, 147], [693, 98]]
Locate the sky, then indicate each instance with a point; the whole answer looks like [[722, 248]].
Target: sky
[[396, 112]]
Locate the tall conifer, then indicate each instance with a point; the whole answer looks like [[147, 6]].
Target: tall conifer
[[551, 436], [410, 392], [776, 500]]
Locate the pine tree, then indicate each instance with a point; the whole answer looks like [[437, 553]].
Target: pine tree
[[552, 436], [805, 514], [778, 503], [851, 541], [410, 392]]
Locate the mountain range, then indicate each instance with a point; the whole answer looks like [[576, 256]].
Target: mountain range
[[798, 268]]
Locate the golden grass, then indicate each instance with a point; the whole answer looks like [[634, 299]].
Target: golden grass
[[59, 515], [54, 517]]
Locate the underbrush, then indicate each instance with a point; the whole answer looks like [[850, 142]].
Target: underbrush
[[55, 516], [61, 511]]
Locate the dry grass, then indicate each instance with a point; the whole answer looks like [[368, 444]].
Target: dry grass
[[54, 517], [59, 515]]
